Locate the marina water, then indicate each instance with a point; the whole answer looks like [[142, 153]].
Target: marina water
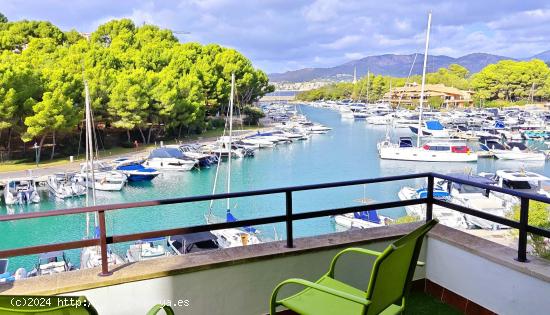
[[345, 153]]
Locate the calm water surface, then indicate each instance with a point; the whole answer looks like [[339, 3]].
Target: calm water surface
[[347, 152]]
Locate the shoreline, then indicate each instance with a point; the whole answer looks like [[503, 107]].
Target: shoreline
[[138, 153]]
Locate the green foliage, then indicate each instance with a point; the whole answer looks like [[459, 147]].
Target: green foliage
[[3, 18], [140, 78], [512, 81], [507, 83], [539, 216], [253, 115]]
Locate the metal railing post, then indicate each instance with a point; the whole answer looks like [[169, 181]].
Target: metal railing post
[[523, 222], [103, 245], [289, 236], [430, 202]]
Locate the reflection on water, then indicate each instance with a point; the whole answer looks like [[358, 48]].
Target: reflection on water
[[347, 152]]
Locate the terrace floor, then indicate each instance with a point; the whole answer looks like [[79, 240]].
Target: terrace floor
[[420, 303]]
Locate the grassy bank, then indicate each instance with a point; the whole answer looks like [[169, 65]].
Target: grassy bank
[[25, 164]]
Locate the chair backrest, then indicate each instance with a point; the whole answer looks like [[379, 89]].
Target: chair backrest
[[393, 270]]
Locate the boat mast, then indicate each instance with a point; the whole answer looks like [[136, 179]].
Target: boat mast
[[89, 156], [368, 84], [419, 132], [230, 135]]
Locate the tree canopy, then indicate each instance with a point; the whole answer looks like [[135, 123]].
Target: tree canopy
[[140, 78]]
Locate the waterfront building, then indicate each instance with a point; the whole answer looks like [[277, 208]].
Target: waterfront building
[[409, 95]]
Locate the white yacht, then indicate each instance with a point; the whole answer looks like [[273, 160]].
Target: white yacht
[[518, 151], [90, 257], [361, 220], [20, 191], [430, 152], [169, 159], [103, 176], [147, 249], [478, 199], [431, 128], [66, 185], [524, 181], [445, 216]]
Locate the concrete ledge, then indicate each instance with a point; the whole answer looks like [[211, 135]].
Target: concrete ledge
[[88, 279], [497, 253]]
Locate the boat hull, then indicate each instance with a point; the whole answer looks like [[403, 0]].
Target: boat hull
[[419, 154]]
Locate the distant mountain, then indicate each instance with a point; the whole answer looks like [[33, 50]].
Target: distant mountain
[[544, 56], [394, 65]]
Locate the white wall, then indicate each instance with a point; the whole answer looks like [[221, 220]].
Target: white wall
[[239, 289], [498, 288]]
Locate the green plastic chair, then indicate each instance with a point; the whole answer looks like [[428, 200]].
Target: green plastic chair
[[389, 283]]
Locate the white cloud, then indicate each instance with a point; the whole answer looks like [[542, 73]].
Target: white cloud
[[343, 42]]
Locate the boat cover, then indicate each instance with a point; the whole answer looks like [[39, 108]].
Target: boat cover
[[369, 216], [166, 153], [434, 125], [231, 218], [438, 193]]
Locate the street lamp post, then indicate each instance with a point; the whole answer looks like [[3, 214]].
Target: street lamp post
[[36, 147]]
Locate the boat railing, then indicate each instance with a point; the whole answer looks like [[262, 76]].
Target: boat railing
[[289, 217]]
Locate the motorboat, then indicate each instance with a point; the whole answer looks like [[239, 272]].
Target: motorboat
[[233, 237], [518, 151], [431, 128], [478, 199], [134, 170], [103, 176], [523, 181], [169, 159], [361, 219], [445, 216], [487, 146], [429, 152], [90, 257], [20, 191], [147, 249], [51, 263], [318, 129], [193, 242], [66, 185], [192, 151]]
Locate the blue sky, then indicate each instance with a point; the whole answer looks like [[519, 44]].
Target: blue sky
[[291, 34]]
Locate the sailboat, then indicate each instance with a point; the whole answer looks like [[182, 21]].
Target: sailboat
[[435, 151], [90, 257], [230, 237]]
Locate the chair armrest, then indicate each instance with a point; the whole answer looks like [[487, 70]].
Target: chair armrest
[[322, 288], [350, 250]]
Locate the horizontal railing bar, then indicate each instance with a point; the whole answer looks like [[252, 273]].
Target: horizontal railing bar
[[369, 207], [477, 213], [139, 204], [48, 248], [507, 191], [538, 231], [260, 221], [209, 227], [193, 229]]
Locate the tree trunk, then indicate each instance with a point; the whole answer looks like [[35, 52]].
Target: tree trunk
[[142, 135], [40, 148], [179, 131], [53, 146], [128, 134], [9, 144], [149, 135]]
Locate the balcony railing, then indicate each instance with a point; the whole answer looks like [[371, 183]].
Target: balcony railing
[[289, 217]]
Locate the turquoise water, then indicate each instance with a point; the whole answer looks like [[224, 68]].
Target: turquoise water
[[347, 152]]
